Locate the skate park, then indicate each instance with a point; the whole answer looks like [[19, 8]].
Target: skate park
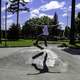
[[24, 24]]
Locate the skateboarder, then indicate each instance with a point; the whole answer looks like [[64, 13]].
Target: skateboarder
[[43, 35]]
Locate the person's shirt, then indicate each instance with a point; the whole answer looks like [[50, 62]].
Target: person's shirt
[[45, 30]]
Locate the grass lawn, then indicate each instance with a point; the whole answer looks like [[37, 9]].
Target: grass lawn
[[29, 42], [66, 44], [58, 42], [25, 42], [18, 43]]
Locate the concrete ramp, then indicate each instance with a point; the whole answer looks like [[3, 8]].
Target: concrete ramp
[[22, 59]]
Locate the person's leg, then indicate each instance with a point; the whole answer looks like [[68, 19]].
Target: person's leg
[[45, 40], [38, 38]]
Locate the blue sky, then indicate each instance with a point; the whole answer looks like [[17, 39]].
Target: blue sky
[[39, 8]]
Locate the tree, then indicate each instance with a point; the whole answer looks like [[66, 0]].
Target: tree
[[26, 31], [55, 29], [37, 23], [14, 32], [77, 20], [67, 31], [32, 27], [55, 19]]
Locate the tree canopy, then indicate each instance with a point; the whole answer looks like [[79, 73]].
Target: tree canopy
[[33, 26]]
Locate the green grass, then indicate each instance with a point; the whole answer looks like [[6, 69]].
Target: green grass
[[29, 42], [18, 43], [66, 44], [58, 42]]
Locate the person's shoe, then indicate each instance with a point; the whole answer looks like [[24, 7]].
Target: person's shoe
[[34, 44]]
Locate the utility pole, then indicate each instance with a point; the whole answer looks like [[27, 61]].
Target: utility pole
[[18, 12], [0, 20], [72, 31], [6, 23], [15, 7], [67, 11]]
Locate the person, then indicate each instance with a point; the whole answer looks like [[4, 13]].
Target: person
[[43, 35]]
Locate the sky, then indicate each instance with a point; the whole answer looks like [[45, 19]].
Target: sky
[[39, 8]]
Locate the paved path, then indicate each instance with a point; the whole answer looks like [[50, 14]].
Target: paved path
[[15, 65]]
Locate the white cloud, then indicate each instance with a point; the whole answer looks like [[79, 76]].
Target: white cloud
[[3, 8], [23, 12], [63, 8], [42, 14], [9, 16], [28, 0], [69, 9], [36, 13], [66, 9], [9, 22], [65, 14], [52, 5], [62, 25], [78, 6]]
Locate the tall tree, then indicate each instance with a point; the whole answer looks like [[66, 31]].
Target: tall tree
[[55, 29], [67, 31], [77, 20], [34, 26], [14, 32], [72, 31], [55, 19]]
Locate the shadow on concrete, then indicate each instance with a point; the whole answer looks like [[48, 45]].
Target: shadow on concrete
[[43, 73], [14, 46], [45, 68], [72, 51], [37, 55]]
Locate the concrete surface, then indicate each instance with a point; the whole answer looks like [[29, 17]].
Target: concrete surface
[[15, 65]]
